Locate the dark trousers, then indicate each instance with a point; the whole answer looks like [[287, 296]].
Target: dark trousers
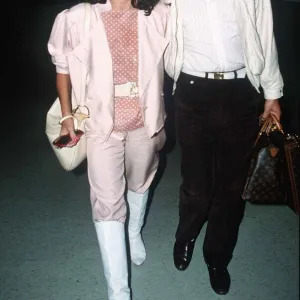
[[217, 123]]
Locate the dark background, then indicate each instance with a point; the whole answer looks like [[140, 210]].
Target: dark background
[[31, 74], [48, 247]]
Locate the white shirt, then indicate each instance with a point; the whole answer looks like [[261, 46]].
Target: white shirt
[[211, 38], [255, 26]]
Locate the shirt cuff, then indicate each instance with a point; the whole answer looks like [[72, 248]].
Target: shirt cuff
[[273, 94], [61, 70]]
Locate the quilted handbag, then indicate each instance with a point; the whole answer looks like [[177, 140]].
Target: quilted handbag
[[70, 158]]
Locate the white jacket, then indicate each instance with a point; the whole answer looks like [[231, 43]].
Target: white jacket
[[255, 23]]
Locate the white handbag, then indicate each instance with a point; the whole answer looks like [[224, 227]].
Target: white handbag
[[70, 158]]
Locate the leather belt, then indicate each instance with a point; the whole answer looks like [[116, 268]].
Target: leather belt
[[222, 75]]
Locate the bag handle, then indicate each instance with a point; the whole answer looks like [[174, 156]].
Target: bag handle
[[86, 29], [270, 124], [277, 123]]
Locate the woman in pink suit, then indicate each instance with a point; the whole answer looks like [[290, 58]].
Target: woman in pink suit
[[122, 56]]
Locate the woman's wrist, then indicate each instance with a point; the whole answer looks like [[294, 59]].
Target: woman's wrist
[[65, 118], [67, 113]]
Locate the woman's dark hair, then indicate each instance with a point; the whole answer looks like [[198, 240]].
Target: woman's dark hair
[[145, 5]]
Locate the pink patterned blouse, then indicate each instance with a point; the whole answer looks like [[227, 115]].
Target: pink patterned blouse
[[122, 33]]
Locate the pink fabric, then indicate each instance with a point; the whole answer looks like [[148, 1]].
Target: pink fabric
[[131, 155], [80, 55], [122, 33], [77, 55]]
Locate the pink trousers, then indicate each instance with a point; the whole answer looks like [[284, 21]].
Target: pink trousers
[[127, 160]]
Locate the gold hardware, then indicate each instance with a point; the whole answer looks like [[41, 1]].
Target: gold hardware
[[271, 124], [79, 115], [79, 109], [218, 76]]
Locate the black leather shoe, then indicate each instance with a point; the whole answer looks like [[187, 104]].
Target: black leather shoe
[[219, 279], [182, 254]]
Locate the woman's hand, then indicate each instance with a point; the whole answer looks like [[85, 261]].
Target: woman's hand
[[63, 84], [67, 127]]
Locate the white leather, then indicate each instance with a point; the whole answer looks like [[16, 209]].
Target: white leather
[[111, 238], [128, 89], [137, 207], [228, 75], [70, 158]]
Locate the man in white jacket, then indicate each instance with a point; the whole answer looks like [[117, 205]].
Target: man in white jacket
[[221, 53]]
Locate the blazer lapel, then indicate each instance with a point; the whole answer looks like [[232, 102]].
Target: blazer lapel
[[151, 49], [95, 54], [92, 51], [94, 41]]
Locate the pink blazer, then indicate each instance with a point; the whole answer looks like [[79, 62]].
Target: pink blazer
[[73, 54]]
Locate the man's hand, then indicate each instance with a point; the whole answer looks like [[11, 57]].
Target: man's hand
[[272, 107]]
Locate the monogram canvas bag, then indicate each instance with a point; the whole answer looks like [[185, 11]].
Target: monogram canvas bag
[[265, 182]]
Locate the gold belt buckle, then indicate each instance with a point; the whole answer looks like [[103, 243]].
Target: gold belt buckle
[[218, 75]]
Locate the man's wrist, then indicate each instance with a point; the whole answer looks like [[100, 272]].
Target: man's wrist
[[273, 94]]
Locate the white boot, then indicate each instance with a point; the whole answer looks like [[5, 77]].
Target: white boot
[[137, 208], [111, 238]]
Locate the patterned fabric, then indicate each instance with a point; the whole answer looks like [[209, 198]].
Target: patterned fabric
[[122, 32], [265, 181]]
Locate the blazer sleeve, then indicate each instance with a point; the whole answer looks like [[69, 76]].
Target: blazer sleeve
[[59, 44], [271, 79]]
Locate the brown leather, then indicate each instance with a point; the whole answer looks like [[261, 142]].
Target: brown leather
[[274, 174], [265, 181], [292, 154]]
